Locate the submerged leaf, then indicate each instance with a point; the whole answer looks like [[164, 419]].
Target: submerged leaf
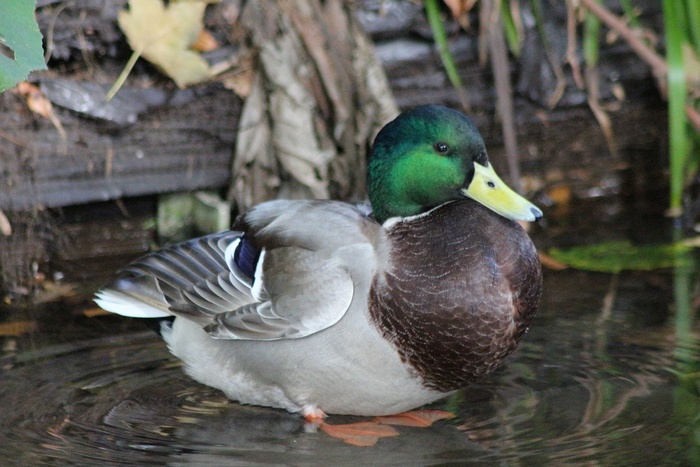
[[164, 36], [17, 328], [622, 255], [20, 42]]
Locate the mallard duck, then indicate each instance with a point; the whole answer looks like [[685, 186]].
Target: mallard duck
[[323, 307]]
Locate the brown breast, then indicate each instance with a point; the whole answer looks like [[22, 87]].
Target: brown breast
[[460, 291]]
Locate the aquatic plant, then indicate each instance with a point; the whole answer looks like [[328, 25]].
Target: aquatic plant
[[677, 73]]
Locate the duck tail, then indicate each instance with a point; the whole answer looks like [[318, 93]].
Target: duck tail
[[121, 298]]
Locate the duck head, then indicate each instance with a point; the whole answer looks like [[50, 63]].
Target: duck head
[[431, 155]]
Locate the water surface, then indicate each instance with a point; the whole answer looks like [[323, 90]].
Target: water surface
[[607, 375]]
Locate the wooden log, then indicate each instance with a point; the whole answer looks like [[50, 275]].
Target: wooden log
[[176, 145], [160, 139]]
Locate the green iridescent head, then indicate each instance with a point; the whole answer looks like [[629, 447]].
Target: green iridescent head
[[430, 155]]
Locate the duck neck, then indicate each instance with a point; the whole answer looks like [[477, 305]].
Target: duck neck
[[404, 187], [388, 202]]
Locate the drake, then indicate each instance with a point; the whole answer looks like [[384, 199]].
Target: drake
[[324, 307]]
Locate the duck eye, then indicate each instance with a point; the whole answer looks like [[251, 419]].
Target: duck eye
[[441, 148]]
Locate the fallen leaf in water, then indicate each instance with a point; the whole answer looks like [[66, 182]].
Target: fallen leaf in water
[[16, 328], [164, 36], [613, 257]]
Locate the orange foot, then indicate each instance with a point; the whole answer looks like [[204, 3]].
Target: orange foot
[[368, 433]]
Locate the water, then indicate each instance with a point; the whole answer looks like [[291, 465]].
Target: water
[[608, 375]]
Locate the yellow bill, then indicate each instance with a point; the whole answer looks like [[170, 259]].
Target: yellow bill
[[488, 189]]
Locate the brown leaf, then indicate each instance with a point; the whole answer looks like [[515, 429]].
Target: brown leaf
[[317, 97], [238, 75], [460, 10], [40, 105], [16, 328], [205, 42]]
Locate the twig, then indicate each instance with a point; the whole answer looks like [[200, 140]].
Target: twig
[[15, 141], [109, 159], [571, 56], [50, 31], [593, 88], [554, 64], [122, 207]]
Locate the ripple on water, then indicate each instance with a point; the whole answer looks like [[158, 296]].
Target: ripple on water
[[570, 395]]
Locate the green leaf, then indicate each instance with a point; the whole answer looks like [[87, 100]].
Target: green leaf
[[591, 42], [510, 29], [21, 50], [614, 257]]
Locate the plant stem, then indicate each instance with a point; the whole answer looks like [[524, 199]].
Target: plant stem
[[678, 138]]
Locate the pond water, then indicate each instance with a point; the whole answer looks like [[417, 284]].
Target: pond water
[[607, 375]]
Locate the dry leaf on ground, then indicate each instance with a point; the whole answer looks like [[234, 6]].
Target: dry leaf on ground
[[164, 36], [40, 105]]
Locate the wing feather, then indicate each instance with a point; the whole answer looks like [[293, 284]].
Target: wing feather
[[312, 301], [302, 283]]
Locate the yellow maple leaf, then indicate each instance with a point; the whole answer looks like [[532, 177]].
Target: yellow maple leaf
[[163, 36]]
